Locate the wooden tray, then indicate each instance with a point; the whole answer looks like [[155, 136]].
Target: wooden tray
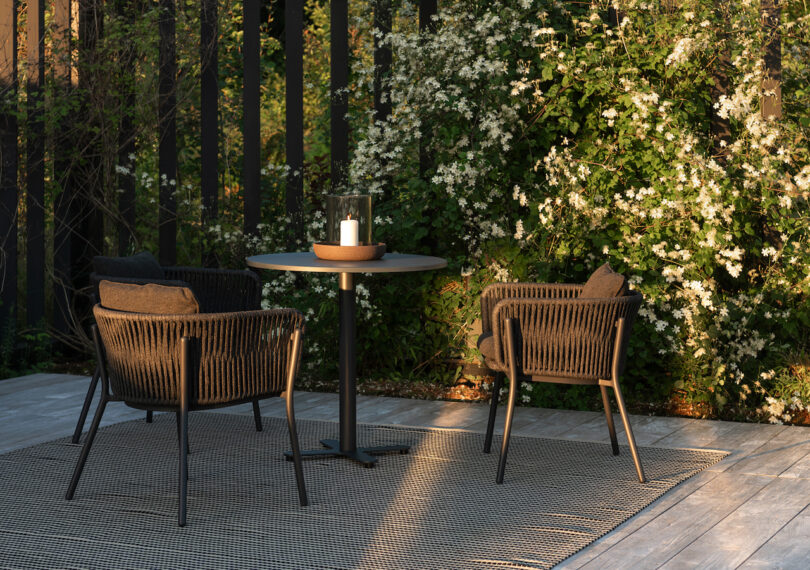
[[335, 252]]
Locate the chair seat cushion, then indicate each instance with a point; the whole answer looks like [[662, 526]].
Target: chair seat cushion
[[486, 344], [143, 265], [604, 282], [150, 298]]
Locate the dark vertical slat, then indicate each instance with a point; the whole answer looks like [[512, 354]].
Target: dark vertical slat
[[720, 126], [615, 16], [209, 110], [87, 239], [127, 10], [35, 166], [382, 61], [8, 163], [167, 149], [251, 128], [771, 60], [427, 9], [382, 68], [63, 206], [294, 62], [339, 40]]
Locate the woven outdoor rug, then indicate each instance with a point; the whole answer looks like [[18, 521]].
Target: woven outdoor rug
[[436, 507]]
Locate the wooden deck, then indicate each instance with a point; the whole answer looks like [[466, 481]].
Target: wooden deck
[[748, 511]]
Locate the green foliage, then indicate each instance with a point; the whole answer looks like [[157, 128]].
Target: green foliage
[[558, 142], [550, 141], [23, 353]]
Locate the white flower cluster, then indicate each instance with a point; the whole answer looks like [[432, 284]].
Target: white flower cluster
[[780, 410], [651, 190], [450, 75]]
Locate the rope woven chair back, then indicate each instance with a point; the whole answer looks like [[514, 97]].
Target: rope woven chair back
[[565, 337], [234, 356], [499, 291]]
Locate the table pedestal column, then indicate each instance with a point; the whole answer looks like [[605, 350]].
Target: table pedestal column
[[347, 363], [347, 446]]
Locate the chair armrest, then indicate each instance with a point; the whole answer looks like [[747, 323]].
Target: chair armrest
[[572, 338], [235, 357], [220, 290], [498, 291]]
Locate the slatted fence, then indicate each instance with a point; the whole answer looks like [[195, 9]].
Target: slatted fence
[[75, 235]]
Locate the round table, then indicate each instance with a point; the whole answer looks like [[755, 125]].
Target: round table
[[389, 263]]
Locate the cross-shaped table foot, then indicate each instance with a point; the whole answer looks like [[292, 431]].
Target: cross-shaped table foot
[[362, 455]]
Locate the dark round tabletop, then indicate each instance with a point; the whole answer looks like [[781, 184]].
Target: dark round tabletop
[[306, 261]]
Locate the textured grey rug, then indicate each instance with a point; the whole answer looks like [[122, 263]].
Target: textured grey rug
[[437, 507]]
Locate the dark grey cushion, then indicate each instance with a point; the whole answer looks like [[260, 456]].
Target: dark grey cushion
[[604, 282], [486, 344], [142, 265], [96, 279], [150, 298]]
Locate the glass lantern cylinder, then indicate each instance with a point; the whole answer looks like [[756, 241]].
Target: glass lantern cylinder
[[349, 207]]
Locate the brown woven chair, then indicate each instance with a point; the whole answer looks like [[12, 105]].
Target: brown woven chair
[[217, 290], [547, 333], [183, 363]]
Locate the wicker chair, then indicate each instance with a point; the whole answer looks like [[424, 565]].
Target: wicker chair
[[217, 290], [547, 333], [182, 363]]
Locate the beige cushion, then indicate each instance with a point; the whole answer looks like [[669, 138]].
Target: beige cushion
[[604, 282], [150, 298]]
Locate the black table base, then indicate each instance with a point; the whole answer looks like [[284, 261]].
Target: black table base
[[346, 445], [363, 455]]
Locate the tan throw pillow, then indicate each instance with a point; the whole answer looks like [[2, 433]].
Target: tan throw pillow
[[604, 282], [150, 298]]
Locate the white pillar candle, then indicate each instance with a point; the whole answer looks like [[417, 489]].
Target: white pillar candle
[[349, 230]]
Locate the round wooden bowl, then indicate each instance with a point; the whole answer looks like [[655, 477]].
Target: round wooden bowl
[[335, 252]]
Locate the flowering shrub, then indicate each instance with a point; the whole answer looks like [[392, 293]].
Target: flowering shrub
[[534, 140], [556, 142]]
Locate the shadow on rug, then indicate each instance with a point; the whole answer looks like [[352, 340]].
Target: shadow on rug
[[437, 507]]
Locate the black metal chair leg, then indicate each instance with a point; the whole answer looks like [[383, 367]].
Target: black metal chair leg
[[493, 410], [88, 399], [179, 423], [149, 416], [631, 440], [288, 394], [514, 387], [299, 471], [183, 474], [614, 443], [88, 441], [183, 421], [257, 415]]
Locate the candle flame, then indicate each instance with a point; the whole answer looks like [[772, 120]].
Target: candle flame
[[349, 217]]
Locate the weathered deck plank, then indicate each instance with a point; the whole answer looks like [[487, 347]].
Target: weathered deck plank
[[750, 510], [680, 525], [778, 455], [786, 549], [637, 522], [736, 537]]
